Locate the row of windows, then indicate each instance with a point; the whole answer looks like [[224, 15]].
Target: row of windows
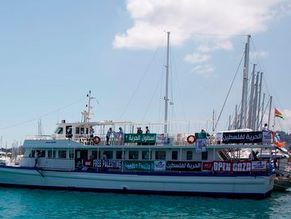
[[132, 155], [78, 130], [62, 154], [146, 155]]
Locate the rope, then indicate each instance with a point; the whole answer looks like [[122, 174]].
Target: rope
[[232, 82], [138, 85], [41, 116]]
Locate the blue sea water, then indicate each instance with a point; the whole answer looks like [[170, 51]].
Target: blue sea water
[[36, 203]]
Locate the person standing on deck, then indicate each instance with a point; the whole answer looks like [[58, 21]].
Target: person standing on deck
[[147, 130], [139, 130], [120, 136], [108, 135]]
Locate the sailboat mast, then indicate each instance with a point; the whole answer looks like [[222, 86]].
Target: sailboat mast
[[270, 110], [235, 118], [254, 114], [167, 86], [243, 115], [263, 111], [259, 102], [251, 101]]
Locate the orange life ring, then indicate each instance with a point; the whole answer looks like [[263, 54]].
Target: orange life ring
[[96, 140], [191, 139]]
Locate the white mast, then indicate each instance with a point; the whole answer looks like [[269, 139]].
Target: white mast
[[167, 86], [263, 111], [235, 118], [229, 123], [254, 114], [213, 121], [259, 102], [245, 85], [270, 110], [251, 101], [87, 113], [39, 127]]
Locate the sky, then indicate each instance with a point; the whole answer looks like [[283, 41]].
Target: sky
[[53, 52]]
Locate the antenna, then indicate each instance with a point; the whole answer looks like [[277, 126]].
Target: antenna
[[87, 112]]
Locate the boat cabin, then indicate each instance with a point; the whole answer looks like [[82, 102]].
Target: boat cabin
[[67, 151]]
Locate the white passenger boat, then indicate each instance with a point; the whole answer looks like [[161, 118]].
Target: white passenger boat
[[85, 156], [79, 156]]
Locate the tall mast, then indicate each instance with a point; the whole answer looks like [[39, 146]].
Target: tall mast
[[251, 101], [235, 118], [213, 121], [39, 127], [259, 102], [263, 111], [167, 86], [270, 110], [229, 123], [254, 114], [244, 104]]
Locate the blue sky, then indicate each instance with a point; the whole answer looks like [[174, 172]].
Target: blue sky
[[53, 52]]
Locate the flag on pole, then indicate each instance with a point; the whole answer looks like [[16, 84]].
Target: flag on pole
[[278, 114]]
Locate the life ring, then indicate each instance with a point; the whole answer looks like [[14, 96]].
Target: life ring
[[191, 139], [96, 140]]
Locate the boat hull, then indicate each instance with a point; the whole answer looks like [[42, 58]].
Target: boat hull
[[211, 185]]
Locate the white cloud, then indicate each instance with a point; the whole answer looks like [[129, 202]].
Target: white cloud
[[259, 54], [204, 70], [196, 58], [188, 19], [209, 47]]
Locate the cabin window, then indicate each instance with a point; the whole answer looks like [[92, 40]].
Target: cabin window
[[108, 154], [41, 153], [78, 155], [146, 155], [59, 130], [133, 155], [51, 154], [174, 155], [71, 154], [69, 132], [32, 153], [118, 155], [82, 130], [204, 155], [93, 155], [77, 130], [160, 155], [189, 155], [62, 154]]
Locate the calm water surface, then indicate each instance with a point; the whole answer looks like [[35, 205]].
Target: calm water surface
[[27, 203]]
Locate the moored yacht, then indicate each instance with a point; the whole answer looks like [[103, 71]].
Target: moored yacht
[[83, 156]]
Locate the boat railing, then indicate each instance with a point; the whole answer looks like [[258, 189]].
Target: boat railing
[[39, 137], [180, 139]]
